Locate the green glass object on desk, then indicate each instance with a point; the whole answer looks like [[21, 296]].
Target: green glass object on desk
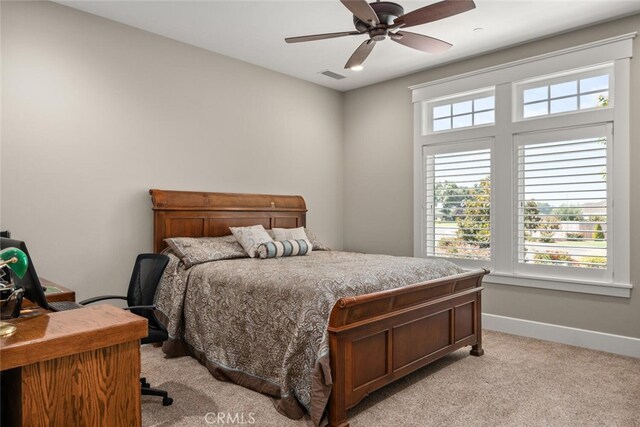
[[15, 259], [18, 262]]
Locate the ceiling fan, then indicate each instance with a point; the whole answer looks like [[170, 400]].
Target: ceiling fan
[[384, 19]]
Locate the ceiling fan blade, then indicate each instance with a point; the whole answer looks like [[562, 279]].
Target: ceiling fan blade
[[362, 10], [320, 36], [433, 12], [420, 42], [360, 54]]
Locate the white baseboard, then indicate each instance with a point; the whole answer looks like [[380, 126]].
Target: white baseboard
[[626, 346]]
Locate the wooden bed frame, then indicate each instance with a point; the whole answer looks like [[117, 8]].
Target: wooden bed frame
[[374, 338]]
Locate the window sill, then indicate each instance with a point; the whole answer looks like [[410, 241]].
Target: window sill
[[621, 290]]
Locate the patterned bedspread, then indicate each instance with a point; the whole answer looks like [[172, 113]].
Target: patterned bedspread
[[267, 318]]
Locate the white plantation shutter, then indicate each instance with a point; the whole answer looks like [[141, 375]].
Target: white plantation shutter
[[562, 201], [458, 202]]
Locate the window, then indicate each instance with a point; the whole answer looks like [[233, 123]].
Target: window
[[458, 194], [564, 93], [562, 201], [517, 169], [461, 111]]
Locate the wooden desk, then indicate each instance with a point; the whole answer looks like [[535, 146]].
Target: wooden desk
[[65, 294], [73, 368]]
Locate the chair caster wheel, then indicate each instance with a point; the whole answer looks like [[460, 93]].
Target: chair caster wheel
[[166, 401], [146, 385]]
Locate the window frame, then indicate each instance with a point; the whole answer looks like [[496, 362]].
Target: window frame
[[541, 270], [557, 78], [456, 147], [427, 128], [616, 50]]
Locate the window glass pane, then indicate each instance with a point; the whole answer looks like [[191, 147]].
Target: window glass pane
[[594, 100], [594, 83], [442, 111], [589, 101], [484, 118], [442, 124], [564, 104], [462, 121], [562, 209], [537, 109], [462, 107], [572, 93], [458, 196], [564, 89], [459, 112], [535, 94], [487, 103]]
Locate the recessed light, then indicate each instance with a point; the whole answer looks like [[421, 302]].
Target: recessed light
[[357, 68]]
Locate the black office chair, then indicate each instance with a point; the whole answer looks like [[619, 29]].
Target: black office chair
[[146, 276]]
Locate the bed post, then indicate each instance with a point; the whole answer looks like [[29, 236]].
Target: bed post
[[477, 350], [337, 404]]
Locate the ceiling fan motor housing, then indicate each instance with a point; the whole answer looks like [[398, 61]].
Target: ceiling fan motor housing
[[387, 12]]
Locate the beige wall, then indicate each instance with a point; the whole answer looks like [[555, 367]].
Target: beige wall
[[95, 113], [378, 185]]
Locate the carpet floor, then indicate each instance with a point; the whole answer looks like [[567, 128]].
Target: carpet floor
[[518, 382]]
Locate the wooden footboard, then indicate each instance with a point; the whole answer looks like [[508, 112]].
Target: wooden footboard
[[380, 337]]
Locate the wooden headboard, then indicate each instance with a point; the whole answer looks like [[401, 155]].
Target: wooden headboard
[[197, 214]]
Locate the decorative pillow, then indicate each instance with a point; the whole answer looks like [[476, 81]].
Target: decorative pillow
[[192, 250], [298, 233], [317, 244], [251, 237], [284, 248], [289, 233]]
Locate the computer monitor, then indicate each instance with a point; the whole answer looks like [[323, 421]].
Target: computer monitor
[[30, 282]]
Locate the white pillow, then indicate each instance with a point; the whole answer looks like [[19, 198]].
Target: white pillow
[[251, 237], [289, 233]]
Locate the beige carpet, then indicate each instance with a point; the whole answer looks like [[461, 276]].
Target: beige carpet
[[518, 382]]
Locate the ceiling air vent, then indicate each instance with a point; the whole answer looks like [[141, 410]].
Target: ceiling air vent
[[333, 75]]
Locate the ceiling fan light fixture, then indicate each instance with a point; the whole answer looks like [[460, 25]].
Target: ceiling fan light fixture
[[357, 68]]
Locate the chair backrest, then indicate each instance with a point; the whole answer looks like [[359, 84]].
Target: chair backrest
[[145, 278]]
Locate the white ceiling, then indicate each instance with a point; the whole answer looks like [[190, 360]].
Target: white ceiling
[[254, 31]]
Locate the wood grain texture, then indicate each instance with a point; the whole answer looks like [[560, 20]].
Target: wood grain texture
[[199, 214], [53, 335], [420, 338], [196, 200], [403, 329], [73, 368], [92, 388], [374, 339], [371, 354]]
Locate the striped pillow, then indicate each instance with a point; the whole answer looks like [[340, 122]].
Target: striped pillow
[[280, 248]]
